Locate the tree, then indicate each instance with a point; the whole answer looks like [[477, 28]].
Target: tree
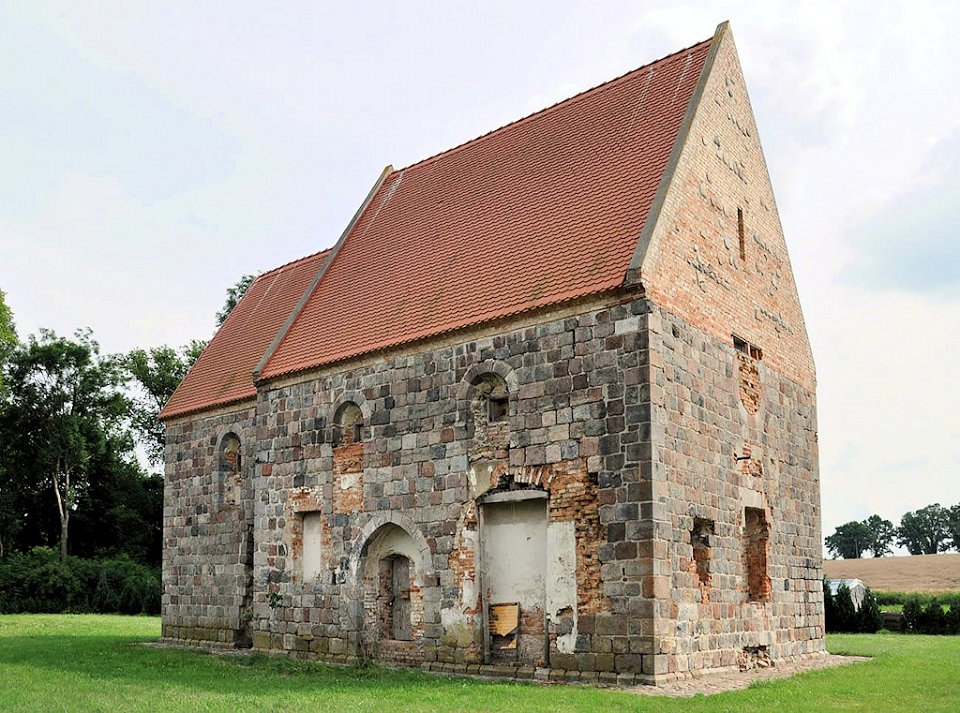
[[8, 342], [157, 373], [8, 336], [844, 610], [233, 297], [953, 526], [849, 541], [882, 535], [65, 410], [869, 618], [924, 532]]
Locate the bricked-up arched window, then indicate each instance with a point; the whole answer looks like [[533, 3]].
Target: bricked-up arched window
[[349, 424], [748, 373], [230, 466], [490, 408], [348, 445]]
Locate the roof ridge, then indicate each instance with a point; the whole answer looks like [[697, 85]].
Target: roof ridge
[[555, 105]]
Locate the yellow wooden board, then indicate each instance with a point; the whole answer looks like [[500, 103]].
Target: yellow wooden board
[[504, 618]]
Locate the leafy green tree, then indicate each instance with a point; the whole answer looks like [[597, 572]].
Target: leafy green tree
[[122, 511], [157, 372], [8, 335], [882, 535], [65, 409], [8, 506], [233, 297], [849, 540], [953, 527], [925, 531]]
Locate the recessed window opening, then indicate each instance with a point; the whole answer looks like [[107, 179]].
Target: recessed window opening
[[311, 542], [230, 454], [700, 540], [740, 234], [747, 349], [497, 409], [349, 420], [756, 537]]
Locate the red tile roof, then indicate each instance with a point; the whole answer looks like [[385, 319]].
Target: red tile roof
[[543, 210], [224, 372], [540, 211]]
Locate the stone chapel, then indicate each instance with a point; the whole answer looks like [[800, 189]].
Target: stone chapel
[[545, 410]]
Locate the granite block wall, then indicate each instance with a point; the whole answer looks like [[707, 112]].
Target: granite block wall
[[208, 528], [626, 420]]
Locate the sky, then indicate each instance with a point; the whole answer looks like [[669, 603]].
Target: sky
[[152, 153]]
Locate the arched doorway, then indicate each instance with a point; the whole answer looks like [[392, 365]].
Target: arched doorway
[[391, 577]]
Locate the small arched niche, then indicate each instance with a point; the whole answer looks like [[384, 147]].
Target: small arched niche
[[230, 466], [349, 427], [490, 413]]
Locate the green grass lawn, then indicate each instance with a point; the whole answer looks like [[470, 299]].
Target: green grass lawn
[[96, 663]]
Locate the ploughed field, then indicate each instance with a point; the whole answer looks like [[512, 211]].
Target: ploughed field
[[98, 663], [916, 573]]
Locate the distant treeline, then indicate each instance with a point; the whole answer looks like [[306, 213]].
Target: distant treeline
[[926, 531]]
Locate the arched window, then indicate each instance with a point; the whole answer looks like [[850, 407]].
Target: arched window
[[490, 410], [349, 424], [230, 465]]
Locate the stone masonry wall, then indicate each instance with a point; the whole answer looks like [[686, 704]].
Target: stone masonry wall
[[575, 411], [207, 529], [718, 460], [732, 429], [628, 417]]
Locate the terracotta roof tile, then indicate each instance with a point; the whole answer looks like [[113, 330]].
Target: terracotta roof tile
[[224, 372], [543, 210]]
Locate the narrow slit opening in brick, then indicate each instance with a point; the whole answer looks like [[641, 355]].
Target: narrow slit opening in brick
[[740, 234]]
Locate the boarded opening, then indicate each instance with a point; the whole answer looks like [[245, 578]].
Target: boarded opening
[[514, 574], [394, 600], [756, 540], [504, 628]]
